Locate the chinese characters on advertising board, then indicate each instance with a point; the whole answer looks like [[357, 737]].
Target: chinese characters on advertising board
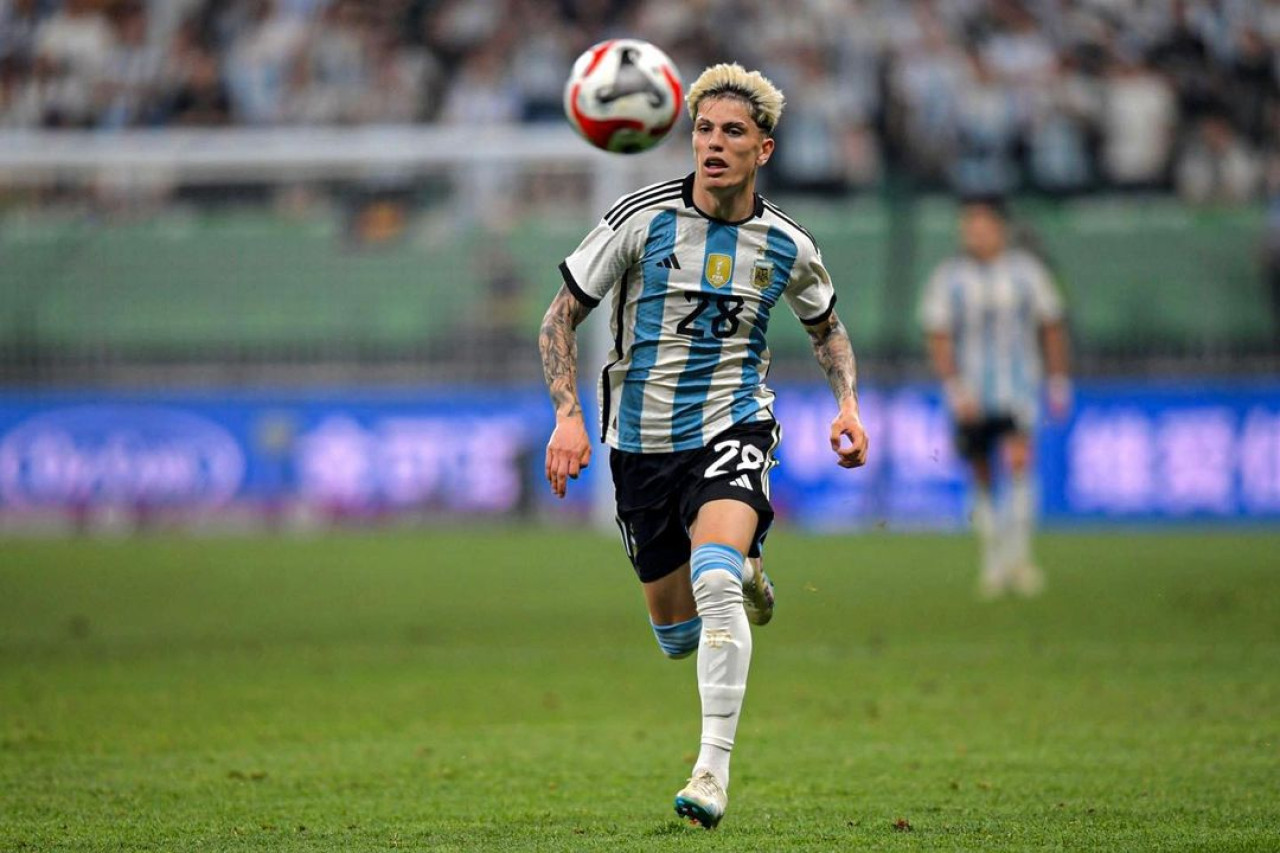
[[1129, 454]]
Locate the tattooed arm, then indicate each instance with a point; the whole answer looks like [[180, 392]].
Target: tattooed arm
[[834, 352], [569, 449]]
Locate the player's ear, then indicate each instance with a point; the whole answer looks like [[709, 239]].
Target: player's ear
[[766, 151]]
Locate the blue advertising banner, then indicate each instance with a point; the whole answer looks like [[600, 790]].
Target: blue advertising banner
[[348, 452], [1129, 453], [1165, 453]]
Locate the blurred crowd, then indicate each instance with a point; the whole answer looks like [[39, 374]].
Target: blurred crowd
[[1053, 96]]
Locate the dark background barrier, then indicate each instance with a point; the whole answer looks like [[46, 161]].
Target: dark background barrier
[[1145, 279]]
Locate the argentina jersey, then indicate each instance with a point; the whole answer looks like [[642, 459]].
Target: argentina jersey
[[692, 301], [993, 313]]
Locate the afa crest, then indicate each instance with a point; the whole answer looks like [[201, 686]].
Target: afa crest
[[761, 273], [719, 269]]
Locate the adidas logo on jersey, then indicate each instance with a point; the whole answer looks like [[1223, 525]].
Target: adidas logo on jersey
[[742, 482], [669, 263]]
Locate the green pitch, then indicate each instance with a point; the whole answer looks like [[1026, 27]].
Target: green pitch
[[495, 689]]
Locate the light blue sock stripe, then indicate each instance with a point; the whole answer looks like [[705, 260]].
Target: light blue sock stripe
[[680, 638], [712, 556]]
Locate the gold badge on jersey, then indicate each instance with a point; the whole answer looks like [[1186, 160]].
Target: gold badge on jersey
[[719, 270], [761, 273]]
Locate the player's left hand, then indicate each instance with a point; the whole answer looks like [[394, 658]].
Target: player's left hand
[[848, 425]]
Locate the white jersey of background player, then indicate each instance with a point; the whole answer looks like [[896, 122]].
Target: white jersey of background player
[[990, 313], [695, 268]]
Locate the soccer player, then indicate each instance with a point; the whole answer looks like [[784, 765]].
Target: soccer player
[[695, 267], [990, 314]]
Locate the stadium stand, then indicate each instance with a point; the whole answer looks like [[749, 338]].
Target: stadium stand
[[1057, 96]]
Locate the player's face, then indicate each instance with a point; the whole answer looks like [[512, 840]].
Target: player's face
[[728, 146], [981, 231]]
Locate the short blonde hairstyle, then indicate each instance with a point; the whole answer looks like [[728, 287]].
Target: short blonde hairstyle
[[731, 80]]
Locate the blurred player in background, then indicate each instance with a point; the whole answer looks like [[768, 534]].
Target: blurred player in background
[[695, 267], [995, 327]]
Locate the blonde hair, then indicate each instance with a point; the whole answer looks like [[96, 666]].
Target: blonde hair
[[731, 80]]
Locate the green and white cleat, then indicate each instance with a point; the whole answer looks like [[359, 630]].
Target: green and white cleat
[[702, 800], [757, 593]]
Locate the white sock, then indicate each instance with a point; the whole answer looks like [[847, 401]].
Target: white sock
[[984, 524], [715, 759], [1021, 519], [724, 652]]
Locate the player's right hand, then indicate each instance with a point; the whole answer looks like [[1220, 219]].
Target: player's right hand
[[1059, 393], [568, 452]]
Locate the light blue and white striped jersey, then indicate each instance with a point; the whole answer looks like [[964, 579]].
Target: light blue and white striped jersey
[[692, 298], [993, 313]]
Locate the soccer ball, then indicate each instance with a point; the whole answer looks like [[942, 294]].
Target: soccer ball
[[623, 95]]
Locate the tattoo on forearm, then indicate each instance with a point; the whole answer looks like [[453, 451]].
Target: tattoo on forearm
[[558, 343], [834, 351]]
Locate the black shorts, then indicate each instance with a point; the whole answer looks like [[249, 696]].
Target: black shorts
[[975, 441], [659, 494]]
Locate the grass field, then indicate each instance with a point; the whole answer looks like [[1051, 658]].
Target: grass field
[[496, 689]]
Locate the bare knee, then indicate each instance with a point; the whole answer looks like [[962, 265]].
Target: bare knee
[[1017, 454], [670, 598]]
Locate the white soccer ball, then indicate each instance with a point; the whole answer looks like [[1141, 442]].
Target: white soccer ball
[[623, 95]]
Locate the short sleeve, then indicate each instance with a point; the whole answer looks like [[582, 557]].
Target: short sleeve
[[935, 303], [811, 294], [598, 263], [1046, 301]]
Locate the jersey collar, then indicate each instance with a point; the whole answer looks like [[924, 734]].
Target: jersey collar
[[687, 191]]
